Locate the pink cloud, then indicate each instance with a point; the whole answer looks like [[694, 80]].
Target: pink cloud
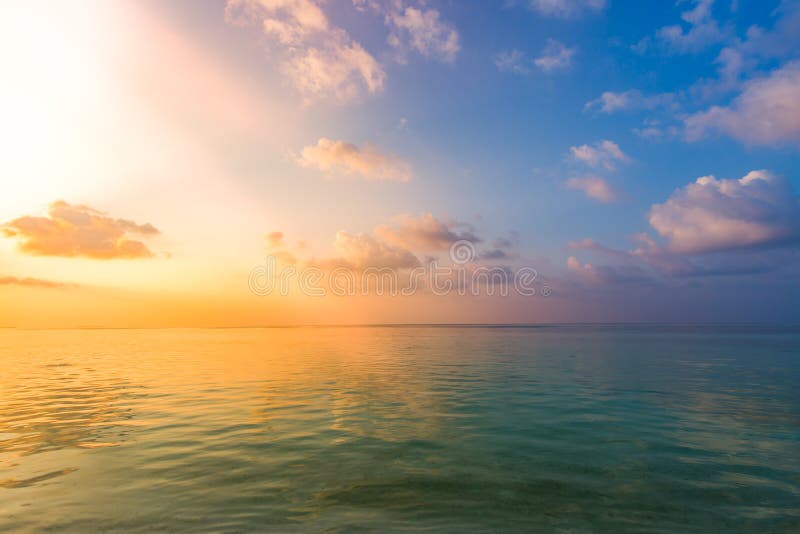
[[593, 187], [766, 112], [710, 214], [340, 157]]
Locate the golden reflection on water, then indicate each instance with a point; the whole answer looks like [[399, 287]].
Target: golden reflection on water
[[235, 429], [89, 389]]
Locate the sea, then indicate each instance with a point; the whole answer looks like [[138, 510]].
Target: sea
[[516, 428]]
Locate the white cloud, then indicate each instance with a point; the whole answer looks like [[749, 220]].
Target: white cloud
[[511, 61], [766, 112], [566, 8], [593, 187], [423, 30], [602, 154], [339, 157], [555, 56], [757, 210], [320, 59], [610, 102], [703, 30]]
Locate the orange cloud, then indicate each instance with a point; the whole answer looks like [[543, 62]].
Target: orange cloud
[[274, 239], [79, 231], [32, 282], [276, 246]]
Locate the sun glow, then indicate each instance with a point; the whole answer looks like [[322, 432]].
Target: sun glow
[[54, 61]]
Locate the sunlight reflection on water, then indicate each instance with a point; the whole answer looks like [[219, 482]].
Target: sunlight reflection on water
[[400, 427]]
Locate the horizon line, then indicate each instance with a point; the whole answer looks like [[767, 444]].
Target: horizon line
[[414, 325]]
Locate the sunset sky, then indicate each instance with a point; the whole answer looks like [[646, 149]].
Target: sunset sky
[[642, 157]]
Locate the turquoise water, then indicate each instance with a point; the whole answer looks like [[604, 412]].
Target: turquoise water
[[401, 428]]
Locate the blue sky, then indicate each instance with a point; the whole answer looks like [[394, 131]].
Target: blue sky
[[642, 156]]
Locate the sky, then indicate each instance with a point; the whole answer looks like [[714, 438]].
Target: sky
[[166, 162]]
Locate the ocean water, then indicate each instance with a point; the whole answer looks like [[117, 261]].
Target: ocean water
[[457, 429]]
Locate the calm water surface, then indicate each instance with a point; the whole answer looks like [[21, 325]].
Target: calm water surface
[[401, 428]]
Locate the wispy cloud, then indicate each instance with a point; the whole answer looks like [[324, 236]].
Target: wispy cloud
[[512, 61], [423, 30], [566, 8], [555, 56], [701, 30], [766, 112], [603, 154], [633, 99], [79, 231], [33, 282], [342, 158], [593, 187]]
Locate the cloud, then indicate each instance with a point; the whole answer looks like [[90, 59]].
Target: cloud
[[655, 130], [33, 282], [633, 99], [277, 249], [574, 265], [424, 232], [362, 251], [495, 254], [566, 8], [593, 187], [782, 40], [339, 157], [501, 248], [740, 56], [407, 238], [606, 274], [703, 31], [423, 30], [759, 209], [603, 154], [319, 58], [555, 56], [711, 228], [652, 263], [79, 231], [274, 239], [766, 112], [511, 61]]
